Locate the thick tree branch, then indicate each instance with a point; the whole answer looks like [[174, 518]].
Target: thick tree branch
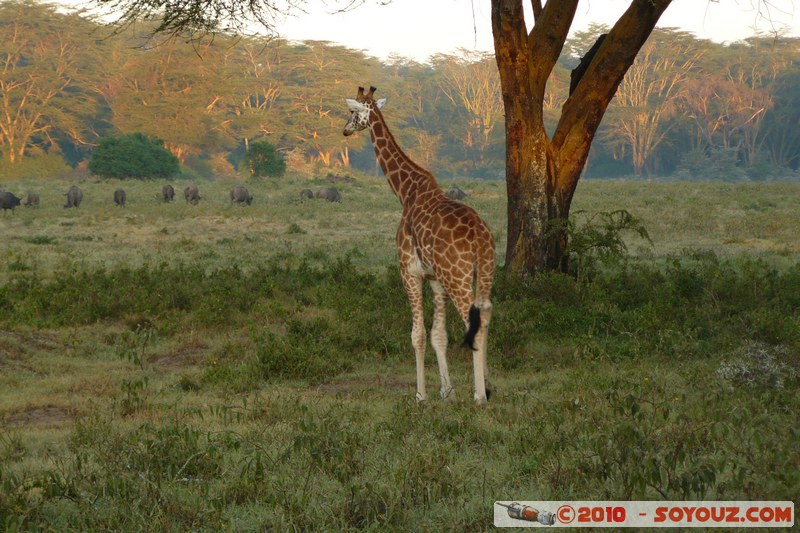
[[526, 60], [537, 8], [584, 109], [547, 39], [512, 53]]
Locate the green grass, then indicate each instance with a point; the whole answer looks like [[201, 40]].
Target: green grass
[[715, 216], [170, 367]]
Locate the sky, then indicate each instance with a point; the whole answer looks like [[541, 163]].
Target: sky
[[418, 29]]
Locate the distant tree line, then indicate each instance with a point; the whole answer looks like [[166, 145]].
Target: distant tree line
[[689, 108]]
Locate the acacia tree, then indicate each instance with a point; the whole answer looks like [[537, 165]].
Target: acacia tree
[[470, 81], [781, 124], [261, 89], [34, 76], [542, 172], [751, 92], [700, 104], [314, 109], [649, 95]]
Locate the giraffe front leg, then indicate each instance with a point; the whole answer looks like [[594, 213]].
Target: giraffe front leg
[[439, 338]]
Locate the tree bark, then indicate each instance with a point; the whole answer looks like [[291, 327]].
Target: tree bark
[[542, 173]]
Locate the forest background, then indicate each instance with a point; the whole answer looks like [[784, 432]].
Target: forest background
[[689, 108]]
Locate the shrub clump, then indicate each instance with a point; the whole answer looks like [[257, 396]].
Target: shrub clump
[[134, 155], [264, 160]]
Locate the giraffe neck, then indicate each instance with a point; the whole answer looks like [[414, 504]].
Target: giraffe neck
[[407, 179]]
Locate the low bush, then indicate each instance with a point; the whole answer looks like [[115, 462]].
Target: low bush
[[264, 160], [134, 155], [334, 316]]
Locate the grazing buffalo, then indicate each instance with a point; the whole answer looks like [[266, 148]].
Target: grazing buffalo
[[192, 194], [8, 201], [120, 197], [32, 200], [241, 195], [454, 193], [168, 193], [329, 193], [74, 197], [306, 194]]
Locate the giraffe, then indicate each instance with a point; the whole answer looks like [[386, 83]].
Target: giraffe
[[439, 240]]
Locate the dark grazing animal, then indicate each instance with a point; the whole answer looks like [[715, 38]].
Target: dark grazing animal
[[32, 200], [454, 193], [74, 197], [192, 194], [306, 194], [120, 197], [8, 201], [329, 193], [240, 195], [168, 193]]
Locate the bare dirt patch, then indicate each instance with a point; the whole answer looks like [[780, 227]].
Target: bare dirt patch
[[39, 416], [15, 344], [185, 356], [362, 383], [335, 178], [17, 347]]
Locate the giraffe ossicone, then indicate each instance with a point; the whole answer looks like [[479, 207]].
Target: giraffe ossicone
[[439, 240]]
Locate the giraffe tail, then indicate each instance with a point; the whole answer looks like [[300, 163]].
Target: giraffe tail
[[474, 326], [480, 312]]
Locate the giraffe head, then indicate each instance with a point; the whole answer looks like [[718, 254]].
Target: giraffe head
[[360, 109]]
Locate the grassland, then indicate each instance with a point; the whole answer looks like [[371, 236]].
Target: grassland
[[728, 219], [177, 367]]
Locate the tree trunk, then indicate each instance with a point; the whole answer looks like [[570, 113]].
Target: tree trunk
[[537, 203], [541, 173]]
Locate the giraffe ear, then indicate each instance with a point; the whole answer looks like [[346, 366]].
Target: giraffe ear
[[380, 103], [354, 105]]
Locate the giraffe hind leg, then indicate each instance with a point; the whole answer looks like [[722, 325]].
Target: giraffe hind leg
[[439, 338], [476, 315], [413, 287], [480, 349], [480, 368]]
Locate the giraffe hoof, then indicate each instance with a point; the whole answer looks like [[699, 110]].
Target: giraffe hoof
[[448, 395], [421, 398]]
